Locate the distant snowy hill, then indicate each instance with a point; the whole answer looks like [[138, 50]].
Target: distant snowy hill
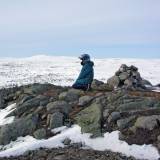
[[64, 70]]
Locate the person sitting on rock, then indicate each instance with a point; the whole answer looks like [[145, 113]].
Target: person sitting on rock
[[86, 75]]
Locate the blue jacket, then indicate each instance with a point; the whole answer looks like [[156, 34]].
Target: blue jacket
[[86, 75]]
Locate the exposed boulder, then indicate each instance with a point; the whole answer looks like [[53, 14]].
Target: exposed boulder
[[142, 103], [23, 98], [25, 106], [96, 84], [2, 103], [100, 86], [148, 122], [125, 123], [55, 120], [7, 95], [21, 127], [61, 106], [123, 76], [114, 116], [129, 82], [39, 88], [71, 95], [113, 82], [84, 100], [90, 119], [40, 133]]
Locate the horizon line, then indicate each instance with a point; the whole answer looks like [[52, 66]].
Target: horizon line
[[70, 56]]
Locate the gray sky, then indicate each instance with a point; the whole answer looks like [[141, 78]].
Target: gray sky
[[104, 28]]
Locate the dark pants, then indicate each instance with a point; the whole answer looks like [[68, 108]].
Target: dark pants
[[83, 87]]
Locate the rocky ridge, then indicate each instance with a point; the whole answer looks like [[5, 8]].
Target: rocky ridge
[[128, 107]]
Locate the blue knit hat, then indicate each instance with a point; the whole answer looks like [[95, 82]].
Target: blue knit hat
[[84, 57]]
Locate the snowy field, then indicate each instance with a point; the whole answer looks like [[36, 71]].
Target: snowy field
[[64, 70], [110, 141]]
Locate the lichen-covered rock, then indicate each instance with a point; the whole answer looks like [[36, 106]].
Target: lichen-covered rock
[[123, 76], [113, 82], [71, 95], [143, 103], [129, 83], [123, 68], [84, 100], [147, 122], [21, 127], [56, 120], [125, 123], [31, 103], [37, 88], [96, 84], [40, 133], [39, 110], [90, 119], [114, 97], [61, 106]]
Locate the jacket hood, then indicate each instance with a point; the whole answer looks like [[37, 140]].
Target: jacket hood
[[88, 63]]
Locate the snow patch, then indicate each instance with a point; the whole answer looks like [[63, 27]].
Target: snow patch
[[59, 129], [5, 112], [156, 89], [110, 141]]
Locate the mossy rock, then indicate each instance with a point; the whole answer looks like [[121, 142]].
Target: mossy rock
[[90, 119]]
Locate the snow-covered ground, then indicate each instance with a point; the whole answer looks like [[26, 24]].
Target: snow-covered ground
[[4, 113], [64, 70], [110, 141]]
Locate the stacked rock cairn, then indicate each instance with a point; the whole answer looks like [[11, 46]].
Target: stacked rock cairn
[[128, 78]]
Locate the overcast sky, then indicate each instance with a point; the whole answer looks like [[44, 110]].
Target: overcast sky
[[102, 28]]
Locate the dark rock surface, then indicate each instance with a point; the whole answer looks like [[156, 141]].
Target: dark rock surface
[[70, 154]]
